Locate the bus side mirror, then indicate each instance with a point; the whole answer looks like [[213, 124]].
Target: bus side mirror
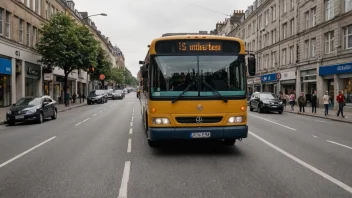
[[144, 71], [141, 62], [251, 65]]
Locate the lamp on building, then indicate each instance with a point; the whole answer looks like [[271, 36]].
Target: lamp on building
[[101, 14]]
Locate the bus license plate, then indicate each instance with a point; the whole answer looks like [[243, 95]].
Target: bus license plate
[[201, 135]]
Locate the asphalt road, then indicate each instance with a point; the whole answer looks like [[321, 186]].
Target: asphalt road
[[101, 151]]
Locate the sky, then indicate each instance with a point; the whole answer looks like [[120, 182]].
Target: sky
[[133, 24]]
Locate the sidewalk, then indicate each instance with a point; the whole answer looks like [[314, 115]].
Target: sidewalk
[[60, 108], [320, 114]]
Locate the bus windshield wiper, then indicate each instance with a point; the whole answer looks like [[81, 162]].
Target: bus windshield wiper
[[215, 92], [183, 92]]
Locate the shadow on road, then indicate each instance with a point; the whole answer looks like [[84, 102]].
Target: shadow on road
[[199, 148]]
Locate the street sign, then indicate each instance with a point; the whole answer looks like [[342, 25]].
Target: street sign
[[102, 77], [278, 76]]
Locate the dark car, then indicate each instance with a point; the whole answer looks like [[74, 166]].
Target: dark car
[[118, 94], [32, 109], [265, 101], [96, 96]]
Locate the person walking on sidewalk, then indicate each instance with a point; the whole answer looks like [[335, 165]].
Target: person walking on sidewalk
[[314, 100], [292, 100], [301, 102], [326, 100], [340, 99]]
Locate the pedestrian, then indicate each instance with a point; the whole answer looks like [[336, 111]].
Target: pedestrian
[[314, 100], [340, 99], [292, 100], [283, 99], [301, 102], [83, 96], [326, 99]]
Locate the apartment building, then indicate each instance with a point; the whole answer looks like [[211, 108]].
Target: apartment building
[[20, 72], [300, 45]]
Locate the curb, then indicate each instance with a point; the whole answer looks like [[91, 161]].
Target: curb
[[3, 122], [327, 118]]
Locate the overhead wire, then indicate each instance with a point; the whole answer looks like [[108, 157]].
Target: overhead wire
[[195, 5]]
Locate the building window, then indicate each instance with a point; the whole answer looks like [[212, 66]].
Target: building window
[[297, 53], [28, 34], [329, 42], [253, 45], [284, 31], [348, 37], [266, 17], [292, 3], [1, 20], [7, 25], [47, 10], [284, 6], [312, 47], [260, 43], [329, 9], [34, 2], [260, 21], [348, 5], [265, 61], [306, 20], [253, 26], [34, 35], [284, 57], [249, 30], [52, 10], [28, 3], [291, 54], [273, 36], [273, 13], [292, 26], [306, 48], [314, 16], [39, 7], [20, 30], [273, 58]]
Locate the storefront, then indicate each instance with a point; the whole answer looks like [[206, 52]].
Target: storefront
[[48, 84], [269, 82], [257, 84], [5, 82], [288, 81], [32, 79], [308, 83], [338, 78]]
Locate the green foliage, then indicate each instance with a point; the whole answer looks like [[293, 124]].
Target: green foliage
[[103, 65], [117, 75]]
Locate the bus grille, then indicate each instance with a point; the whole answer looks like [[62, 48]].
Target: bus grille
[[198, 120]]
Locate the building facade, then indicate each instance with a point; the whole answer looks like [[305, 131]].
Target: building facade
[[300, 45], [20, 72]]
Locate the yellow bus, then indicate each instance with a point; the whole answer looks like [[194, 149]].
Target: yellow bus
[[195, 87]]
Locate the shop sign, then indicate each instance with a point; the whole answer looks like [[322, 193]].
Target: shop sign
[[33, 72], [335, 69], [289, 75], [5, 66], [269, 77], [48, 77], [249, 81], [257, 80]]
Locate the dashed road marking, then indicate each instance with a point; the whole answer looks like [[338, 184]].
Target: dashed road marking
[[85, 120], [129, 146], [131, 124], [125, 178], [339, 144], [131, 131], [310, 167], [314, 136], [78, 123], [94, 115], [27, 151], [273, 122]]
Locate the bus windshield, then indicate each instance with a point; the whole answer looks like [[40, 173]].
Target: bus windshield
[[200, 76]]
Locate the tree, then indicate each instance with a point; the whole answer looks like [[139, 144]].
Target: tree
[[66, 45], [103, 66], [116, 75]]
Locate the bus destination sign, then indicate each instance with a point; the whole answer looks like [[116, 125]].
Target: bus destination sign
[[199, 46]]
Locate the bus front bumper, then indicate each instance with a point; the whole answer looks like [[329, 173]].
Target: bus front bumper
[[217, 133]]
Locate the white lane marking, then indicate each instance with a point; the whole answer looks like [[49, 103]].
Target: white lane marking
[[273, 122], [339, 144], [131, 131], [94, 115], [315, 136], [125, 178], [131, 124], [86, 120], [310, 167], [129, 146], [27, 151], [78, 123]]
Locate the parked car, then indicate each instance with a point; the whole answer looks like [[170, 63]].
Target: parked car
[[96, 96], [32, 109], [265, 101], [118, 94], [125, 91]]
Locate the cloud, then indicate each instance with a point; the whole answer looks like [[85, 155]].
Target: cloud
[[133, 24]]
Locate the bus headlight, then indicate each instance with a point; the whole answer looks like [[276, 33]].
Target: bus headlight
[[161, 121], [236, 119]]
